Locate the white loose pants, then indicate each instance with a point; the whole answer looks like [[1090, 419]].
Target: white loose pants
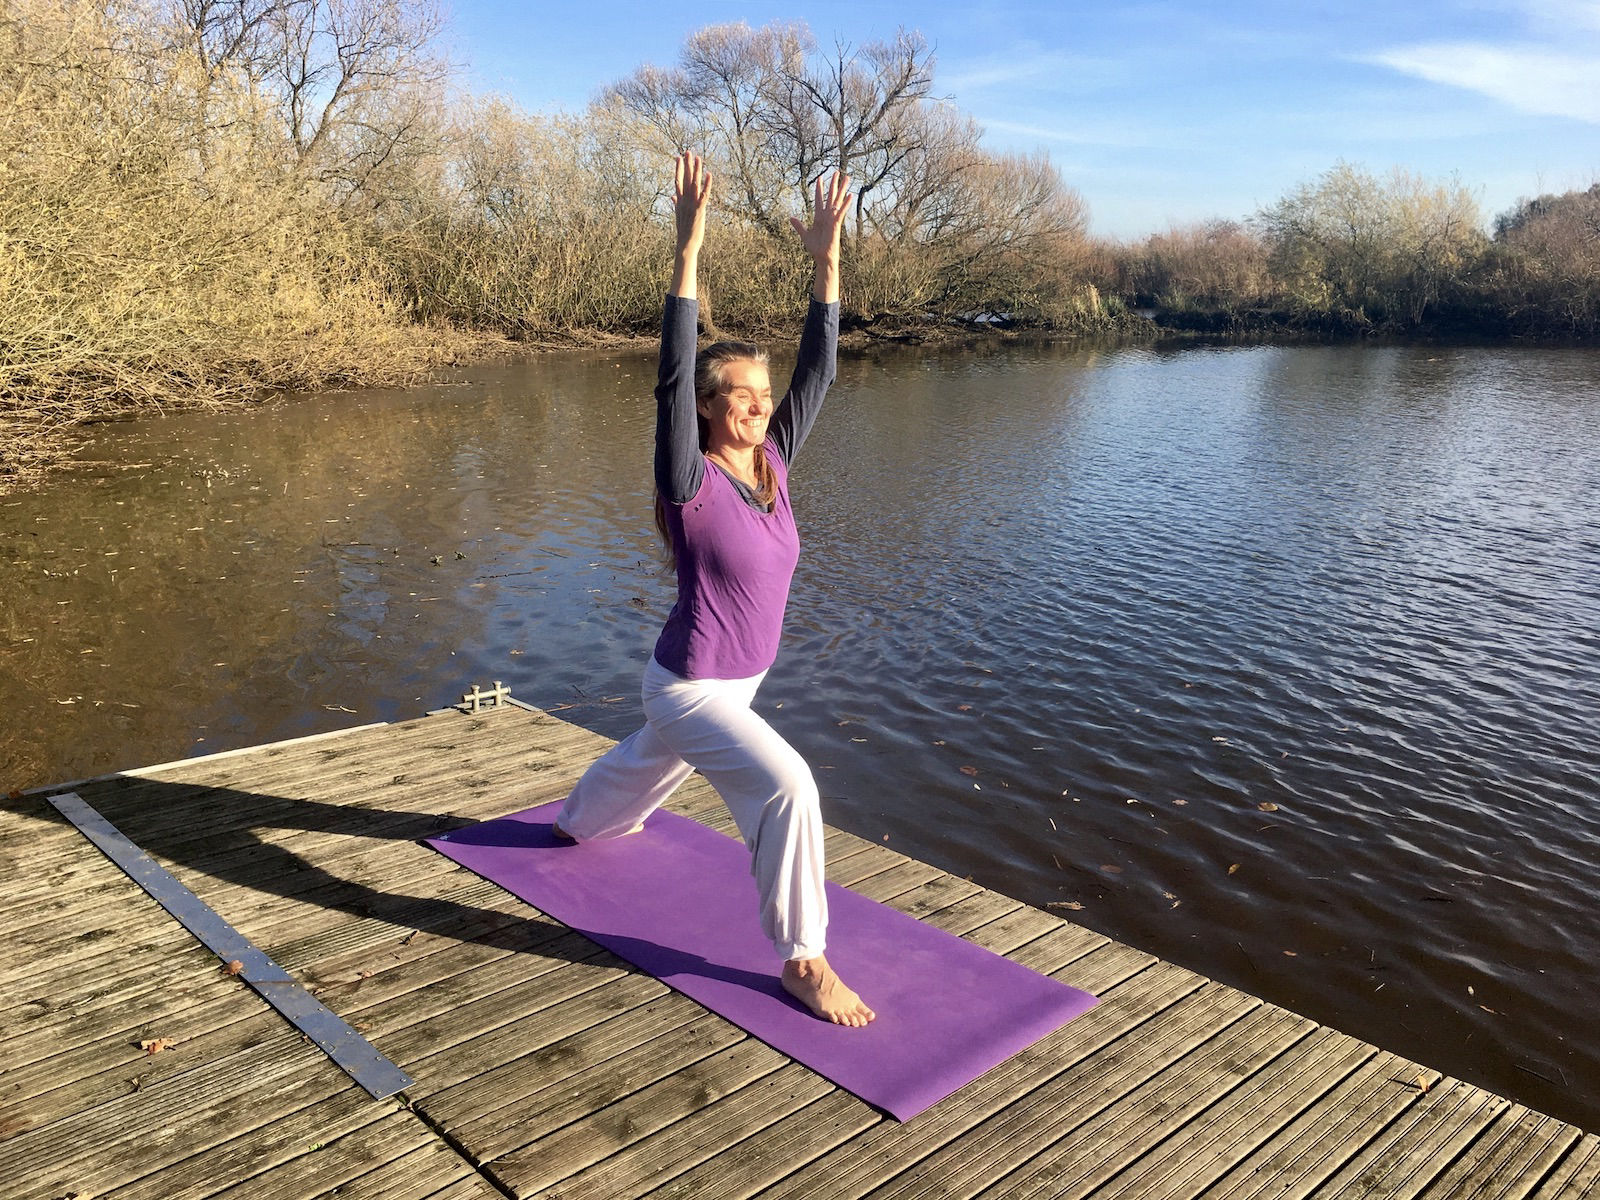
[[707, 725]]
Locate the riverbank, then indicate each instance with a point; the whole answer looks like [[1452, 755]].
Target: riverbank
[[45, 437]]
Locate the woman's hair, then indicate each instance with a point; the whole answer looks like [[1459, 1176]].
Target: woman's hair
[[710, 379]]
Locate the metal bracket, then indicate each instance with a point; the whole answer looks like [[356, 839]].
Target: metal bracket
[[478, 699], [348, 1049]]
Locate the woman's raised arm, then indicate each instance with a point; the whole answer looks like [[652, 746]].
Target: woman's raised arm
[[821, 236], [691, 190]]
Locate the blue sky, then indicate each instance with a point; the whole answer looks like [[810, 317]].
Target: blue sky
[[1163, 112]]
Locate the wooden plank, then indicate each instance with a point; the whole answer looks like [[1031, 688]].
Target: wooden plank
[[1409, 1154], [115, 1142], [472, 1188], [464, 1006], [381, 1160], [1577, 1176], [521, 1028], [580, 1075], [901, 878], [1043, 952], [106, 1040], [482, 907], [114, 1066], [1296, 1161], [755, 1162], [355, 731], [70, 1005], [1133, 994], [135, 977], [1509, 1158], [938, 893], [990, 1149], [1235, 1127], [1134, 1127], [973, 911], [303, 1132], [584, 1144], [718, 1117], [417, 1176]]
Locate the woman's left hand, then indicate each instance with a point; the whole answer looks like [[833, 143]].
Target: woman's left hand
[[832, 205]]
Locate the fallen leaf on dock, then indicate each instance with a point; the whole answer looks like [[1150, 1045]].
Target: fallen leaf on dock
[[232, 968], [157, 1045]]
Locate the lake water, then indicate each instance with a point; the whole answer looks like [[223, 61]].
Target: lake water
[[1280, 663]]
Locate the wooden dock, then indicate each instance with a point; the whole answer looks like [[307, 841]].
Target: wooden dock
[[545, 1066]]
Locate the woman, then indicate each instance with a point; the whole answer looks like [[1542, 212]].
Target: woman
[[722, 500]]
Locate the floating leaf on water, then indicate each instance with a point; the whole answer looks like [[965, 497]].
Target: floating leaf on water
[[1267, 806], [1292, 953], [1068, 904], [1180, 802], [963, 708], [1232, 867], [1110, 869], [969, 770]]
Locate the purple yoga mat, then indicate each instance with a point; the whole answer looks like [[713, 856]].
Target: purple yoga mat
[[677, 901]]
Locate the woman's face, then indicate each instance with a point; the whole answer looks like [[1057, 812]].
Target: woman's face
[[737, 415]]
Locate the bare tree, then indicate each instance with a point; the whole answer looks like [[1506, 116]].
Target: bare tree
[[864, 101]]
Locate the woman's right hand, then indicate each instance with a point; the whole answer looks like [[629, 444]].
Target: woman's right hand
[[691, 190]]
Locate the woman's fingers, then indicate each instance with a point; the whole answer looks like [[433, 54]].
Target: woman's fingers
[[691, 179]]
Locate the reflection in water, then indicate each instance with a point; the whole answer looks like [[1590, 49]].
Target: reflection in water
[[1280, 663]]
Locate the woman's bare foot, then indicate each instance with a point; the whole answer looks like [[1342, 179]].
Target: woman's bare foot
[[814, 983]]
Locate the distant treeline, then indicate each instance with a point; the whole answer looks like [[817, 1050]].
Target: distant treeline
[[200, 199], [1352, 252]]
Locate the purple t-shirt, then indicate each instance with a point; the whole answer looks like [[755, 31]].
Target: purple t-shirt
[[735, 560], [734, 567]]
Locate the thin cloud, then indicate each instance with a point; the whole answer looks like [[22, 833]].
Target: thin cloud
[[1564, 15], [1052, 133], [1036, 67], [1530, 79]]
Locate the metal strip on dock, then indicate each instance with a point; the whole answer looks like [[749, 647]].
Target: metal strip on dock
[[347, 1048]]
